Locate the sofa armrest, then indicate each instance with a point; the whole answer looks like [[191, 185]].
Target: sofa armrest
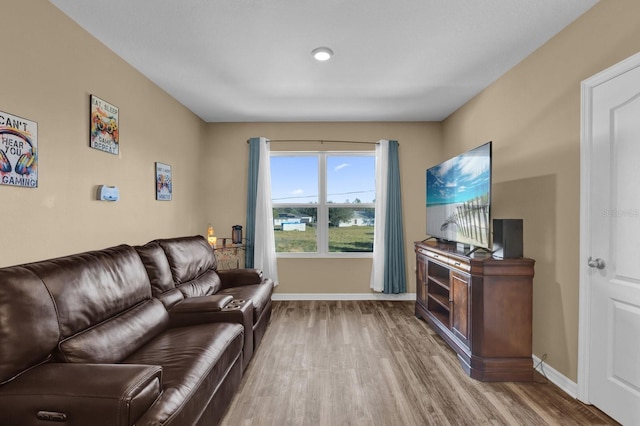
[[213, 303], [239, 277], [88, 394], [198, 310]]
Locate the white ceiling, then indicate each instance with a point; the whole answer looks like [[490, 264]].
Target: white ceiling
[[250, 60]]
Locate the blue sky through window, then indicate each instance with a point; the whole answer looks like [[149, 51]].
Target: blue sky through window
[[350, 178], [294, 179]]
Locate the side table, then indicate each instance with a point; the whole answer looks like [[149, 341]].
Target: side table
[[228, 255]]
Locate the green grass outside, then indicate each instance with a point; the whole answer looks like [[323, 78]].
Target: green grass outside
[[347, 239]]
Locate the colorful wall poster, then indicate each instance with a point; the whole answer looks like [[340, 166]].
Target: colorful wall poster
[[18, 151], [163, 182], [104, 126]]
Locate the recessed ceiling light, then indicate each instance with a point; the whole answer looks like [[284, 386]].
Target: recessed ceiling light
[[322, 53]]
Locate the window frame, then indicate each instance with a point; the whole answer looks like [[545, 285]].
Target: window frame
[[322, 217]]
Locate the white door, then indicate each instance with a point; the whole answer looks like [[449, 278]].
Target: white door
[[609, 366]]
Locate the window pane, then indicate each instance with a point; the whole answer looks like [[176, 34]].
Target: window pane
[[351, 229], [294, 179], [295, 229], [351, 179]]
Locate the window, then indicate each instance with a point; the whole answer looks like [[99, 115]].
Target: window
[[323, 202]]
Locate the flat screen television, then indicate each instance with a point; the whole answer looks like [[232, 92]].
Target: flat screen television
[[459, 198]]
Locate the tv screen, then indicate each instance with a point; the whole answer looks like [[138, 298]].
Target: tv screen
[[459, 198]]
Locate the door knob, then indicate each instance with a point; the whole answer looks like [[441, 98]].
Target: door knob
[[596, 263]]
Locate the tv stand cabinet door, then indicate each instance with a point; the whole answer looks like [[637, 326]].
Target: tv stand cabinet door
[[421, 279], [461, 306]]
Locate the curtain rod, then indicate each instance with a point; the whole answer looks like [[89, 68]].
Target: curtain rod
[[319, 140]]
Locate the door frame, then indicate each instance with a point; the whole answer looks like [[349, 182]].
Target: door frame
[[586, 140]]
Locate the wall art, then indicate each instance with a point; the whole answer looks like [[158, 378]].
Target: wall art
[[104, 126], [164, 189], [18, 151]]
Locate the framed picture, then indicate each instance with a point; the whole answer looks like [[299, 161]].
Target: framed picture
[[18, 151], [163, 182], [104, 126]]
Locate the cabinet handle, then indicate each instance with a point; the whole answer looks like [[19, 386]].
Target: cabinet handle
[[456, 263]]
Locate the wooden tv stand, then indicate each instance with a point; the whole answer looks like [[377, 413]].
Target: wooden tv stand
[[481, 306]]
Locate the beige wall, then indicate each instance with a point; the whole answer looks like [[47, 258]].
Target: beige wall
[[49, 68], [532, 114], [225, 153]]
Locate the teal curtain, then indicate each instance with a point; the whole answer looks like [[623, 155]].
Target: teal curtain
[[395, 279], [252, 195]]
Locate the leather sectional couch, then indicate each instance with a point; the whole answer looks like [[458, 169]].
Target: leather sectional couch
[[146, 335]]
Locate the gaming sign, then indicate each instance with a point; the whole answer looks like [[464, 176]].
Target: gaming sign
[[104, 126], [18, 151]]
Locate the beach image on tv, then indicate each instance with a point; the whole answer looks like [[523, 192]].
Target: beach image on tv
[[458, 198]]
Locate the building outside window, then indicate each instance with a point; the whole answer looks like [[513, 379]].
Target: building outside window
[[323, 203]]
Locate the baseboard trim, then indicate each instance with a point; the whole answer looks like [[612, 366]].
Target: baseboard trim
[[342, 296], [563, 382]]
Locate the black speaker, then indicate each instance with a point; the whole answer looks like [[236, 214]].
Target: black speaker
[[507, 238]]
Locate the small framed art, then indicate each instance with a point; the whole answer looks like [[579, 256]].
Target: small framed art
[[105, 135], [164, 182], [18, 151]]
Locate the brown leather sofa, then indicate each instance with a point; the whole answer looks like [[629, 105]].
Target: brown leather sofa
[[87, 339], [184, 276]]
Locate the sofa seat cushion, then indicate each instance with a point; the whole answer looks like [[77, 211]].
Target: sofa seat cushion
[[195, 361], [259, 294]]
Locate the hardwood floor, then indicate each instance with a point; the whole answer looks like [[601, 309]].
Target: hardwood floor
[[375, 363]]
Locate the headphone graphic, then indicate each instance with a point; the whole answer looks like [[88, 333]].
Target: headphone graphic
[[26, 161]]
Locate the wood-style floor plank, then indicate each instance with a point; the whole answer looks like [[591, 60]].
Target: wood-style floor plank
[[374, 363]]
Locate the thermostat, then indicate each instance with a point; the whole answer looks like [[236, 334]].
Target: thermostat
[[108, 193]]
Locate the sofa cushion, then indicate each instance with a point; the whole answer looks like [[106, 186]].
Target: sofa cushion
[[113, 340], [159, 272], [192, 264], [204, 285], [157, 266], [194, 361], [171, 298], [28, 323], [91, 287], [189, 257]]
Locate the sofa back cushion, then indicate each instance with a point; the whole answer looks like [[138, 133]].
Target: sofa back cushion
[[114, 340], [93, 292], [192, 264], [28, 323], [159, 272]]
